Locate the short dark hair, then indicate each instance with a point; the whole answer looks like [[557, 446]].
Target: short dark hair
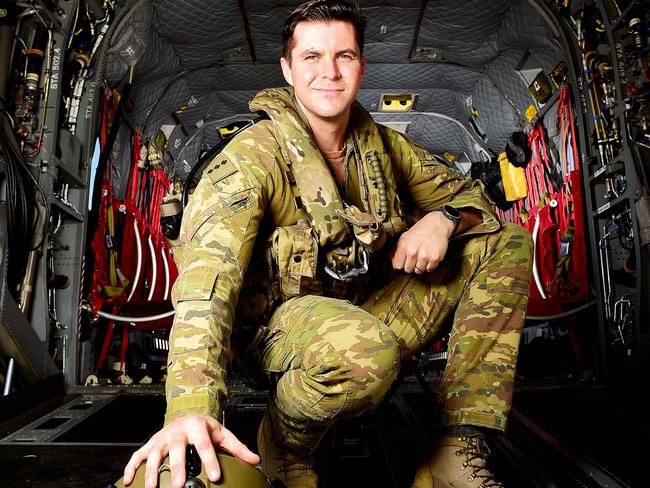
[[322, 11]]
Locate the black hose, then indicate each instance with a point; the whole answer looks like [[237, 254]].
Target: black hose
[[208, 156], [7, 27], [21, 205], [212, 152], [6, 33]]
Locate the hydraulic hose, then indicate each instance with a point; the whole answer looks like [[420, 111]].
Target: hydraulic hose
[[214, 150], [120, 318], [7, 25], [561, 314]]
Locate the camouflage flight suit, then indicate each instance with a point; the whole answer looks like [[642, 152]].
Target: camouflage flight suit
[[330, 356]]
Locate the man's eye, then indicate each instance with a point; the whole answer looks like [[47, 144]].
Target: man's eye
[[346, 57], [311, 57]]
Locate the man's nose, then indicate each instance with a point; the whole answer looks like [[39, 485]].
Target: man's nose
[[330, 69]]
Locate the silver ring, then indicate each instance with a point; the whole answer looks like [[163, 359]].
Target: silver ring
[[418, 269]]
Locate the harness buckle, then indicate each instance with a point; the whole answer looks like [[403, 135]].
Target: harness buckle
[[352, 273]]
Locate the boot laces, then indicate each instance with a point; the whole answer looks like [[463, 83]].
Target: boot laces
[[477, 452]]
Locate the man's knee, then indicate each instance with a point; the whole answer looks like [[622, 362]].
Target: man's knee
[[359, 362], [348, 357], [372, 365]]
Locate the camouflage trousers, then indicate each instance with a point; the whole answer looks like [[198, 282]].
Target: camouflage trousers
[[330, 359]]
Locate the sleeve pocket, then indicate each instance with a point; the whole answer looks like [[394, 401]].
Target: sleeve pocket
[[227, 208], [195, 284]]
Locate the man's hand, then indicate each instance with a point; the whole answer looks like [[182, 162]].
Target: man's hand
[[201, 430], [423, 246]]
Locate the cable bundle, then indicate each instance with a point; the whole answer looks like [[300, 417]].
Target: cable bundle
[[21, 205]]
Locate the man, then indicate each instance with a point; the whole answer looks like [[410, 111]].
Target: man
[[306, 214]]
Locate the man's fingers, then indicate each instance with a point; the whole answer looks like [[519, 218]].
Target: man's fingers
[[177, 460], [409, 265], [203, 444], [397, 258], [238, 449], [135, 461], [153, 463]]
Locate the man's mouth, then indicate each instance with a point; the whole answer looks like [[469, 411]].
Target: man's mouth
[[329, 90]]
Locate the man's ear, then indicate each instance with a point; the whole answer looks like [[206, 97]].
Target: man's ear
[[363, 66], [286, 70]]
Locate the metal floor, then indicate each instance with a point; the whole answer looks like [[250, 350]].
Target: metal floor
[[591, 437]]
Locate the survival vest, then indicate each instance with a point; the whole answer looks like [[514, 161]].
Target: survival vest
[[342, 234]]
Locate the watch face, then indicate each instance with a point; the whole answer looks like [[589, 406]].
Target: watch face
[[452, 212]]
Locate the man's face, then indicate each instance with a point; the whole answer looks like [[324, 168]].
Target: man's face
[[326, 69]]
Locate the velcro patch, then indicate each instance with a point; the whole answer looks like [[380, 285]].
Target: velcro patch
[[221, 169]]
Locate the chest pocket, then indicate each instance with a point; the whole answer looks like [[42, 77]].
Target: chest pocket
[[295, 252]]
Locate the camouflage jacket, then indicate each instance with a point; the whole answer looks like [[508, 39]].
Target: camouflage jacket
[[241, 199]]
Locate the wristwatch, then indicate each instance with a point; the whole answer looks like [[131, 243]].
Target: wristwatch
[[452, 214]]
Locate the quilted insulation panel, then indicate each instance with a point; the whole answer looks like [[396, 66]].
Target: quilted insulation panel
[[202, 61]]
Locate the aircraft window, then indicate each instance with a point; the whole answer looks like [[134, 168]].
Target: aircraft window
[[93, 170]]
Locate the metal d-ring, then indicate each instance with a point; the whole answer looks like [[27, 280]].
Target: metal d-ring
[[351, 273]]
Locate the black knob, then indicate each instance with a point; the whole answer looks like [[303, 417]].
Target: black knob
[[192, 462], [194, 483]]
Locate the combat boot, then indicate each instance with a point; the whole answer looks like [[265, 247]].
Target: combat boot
[[458, 462], [295, 470]]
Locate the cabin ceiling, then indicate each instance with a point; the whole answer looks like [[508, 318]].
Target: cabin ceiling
[[204, 60]]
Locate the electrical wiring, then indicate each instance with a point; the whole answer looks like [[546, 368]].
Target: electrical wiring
[[21, 204], [46, 94], [25, 50], [22, 210], [621, 229]]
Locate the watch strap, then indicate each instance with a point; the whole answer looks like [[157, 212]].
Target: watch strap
[[452, 214]]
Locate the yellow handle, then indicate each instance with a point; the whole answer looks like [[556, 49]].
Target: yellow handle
[[514, 179]]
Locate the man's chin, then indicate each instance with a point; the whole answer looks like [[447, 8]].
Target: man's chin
[[331, 111], [326, 110], [331, 115]]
